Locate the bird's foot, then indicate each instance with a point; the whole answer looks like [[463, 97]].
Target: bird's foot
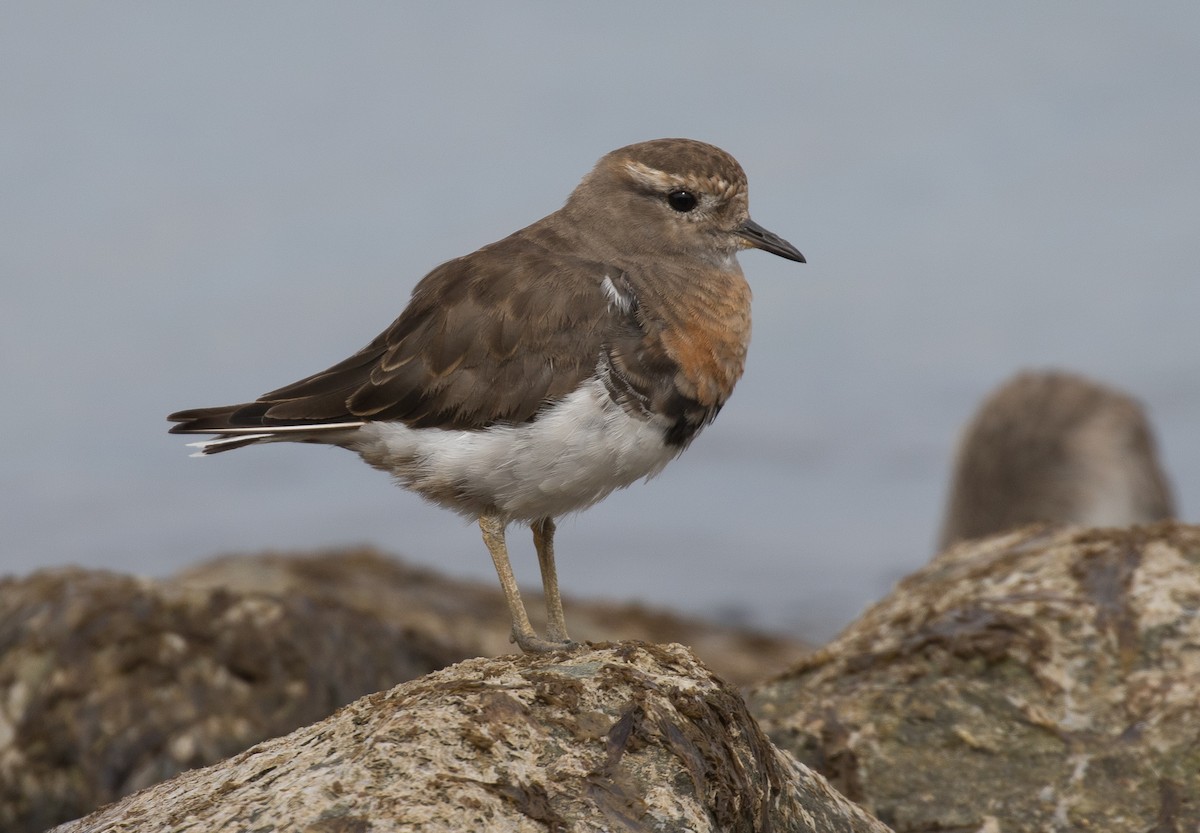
[[531, 643]]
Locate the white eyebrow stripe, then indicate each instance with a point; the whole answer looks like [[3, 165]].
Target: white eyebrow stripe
[[652, 177], [657, 180]]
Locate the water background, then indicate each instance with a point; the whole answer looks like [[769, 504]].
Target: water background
[[201, 202]]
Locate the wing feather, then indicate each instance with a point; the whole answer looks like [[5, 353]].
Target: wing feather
[[488, 338]]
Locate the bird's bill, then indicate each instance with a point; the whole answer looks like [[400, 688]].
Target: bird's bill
[[759, 238]]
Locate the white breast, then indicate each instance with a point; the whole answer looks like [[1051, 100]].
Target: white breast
[[573, 455]]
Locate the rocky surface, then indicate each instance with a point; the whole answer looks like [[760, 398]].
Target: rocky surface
[[472, 617], [1042, 680], [109, 683], [628, 737]]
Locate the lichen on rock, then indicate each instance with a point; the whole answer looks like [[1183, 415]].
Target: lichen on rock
[[110, 683], [1045, 679], [613, 737]]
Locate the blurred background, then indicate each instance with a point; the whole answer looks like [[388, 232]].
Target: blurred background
[[201, 202]]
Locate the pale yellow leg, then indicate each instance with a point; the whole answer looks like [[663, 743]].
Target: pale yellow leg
[[522, 631], [543, 541]]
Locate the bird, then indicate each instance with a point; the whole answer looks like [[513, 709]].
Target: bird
[[1053, 446], [533, 377]]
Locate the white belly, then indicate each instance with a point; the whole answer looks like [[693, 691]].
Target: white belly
[[573, 455]]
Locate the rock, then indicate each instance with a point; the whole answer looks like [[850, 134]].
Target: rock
[[1040, 680], [1049, 446], [110, 683], [471, 617], [626, 737]]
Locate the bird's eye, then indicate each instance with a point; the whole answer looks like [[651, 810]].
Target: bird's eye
[[682, 201]]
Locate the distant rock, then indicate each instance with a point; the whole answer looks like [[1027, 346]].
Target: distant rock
[[1041, 680], [471, 617], [109, 684], [1049, 446], [626, 737]]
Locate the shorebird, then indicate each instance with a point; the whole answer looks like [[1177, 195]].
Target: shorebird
[[533, 377]]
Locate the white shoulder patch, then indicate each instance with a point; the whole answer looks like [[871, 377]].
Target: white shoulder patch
[[621, 301]]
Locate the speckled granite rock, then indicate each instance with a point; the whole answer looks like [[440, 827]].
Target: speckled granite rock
[[1042, 680], [472, 616], [626, 737], [109, 683]]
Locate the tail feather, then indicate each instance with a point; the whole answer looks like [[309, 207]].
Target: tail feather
[[207, 447], [241, 425], [220, 418]]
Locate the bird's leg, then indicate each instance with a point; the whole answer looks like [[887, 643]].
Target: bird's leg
[[543, 541], [522, 631]]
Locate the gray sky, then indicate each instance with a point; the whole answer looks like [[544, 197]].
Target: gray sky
[[200, 202]]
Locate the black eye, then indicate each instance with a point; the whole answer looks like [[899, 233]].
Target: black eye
[[681, 200]]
